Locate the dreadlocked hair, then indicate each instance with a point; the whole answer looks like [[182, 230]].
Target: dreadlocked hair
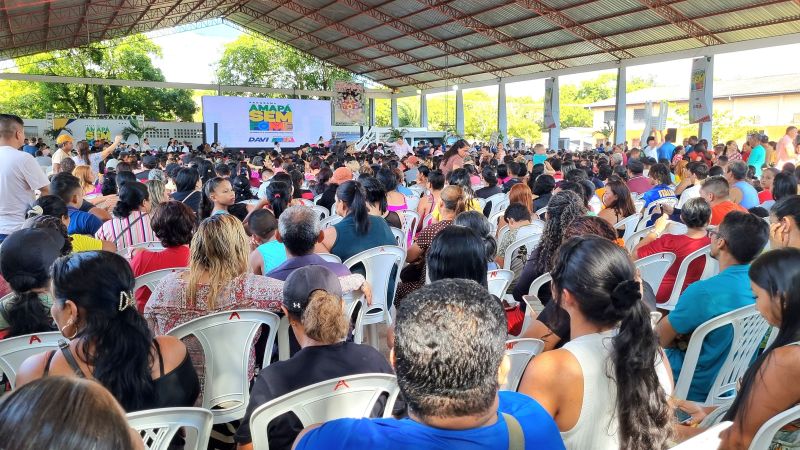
[[563, 208]]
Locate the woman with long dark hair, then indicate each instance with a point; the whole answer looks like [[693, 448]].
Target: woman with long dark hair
[[93, 160], [377, 203], [130, 223], [477, 222], [454, 157], [613, 355], [784, 228], [617, 201], [358, 231], [456, 252], [187, 188], [109, 340]]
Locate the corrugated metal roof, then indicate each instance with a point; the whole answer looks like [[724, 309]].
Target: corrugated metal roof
[[483, 39]]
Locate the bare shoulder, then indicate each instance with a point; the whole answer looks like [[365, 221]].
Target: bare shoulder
[[553, 368], [173, 351], [32, 368]]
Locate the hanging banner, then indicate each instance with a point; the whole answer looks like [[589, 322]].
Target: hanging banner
[[349, 104], [551, 107], [700, 95]]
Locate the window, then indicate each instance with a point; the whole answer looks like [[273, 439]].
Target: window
[[186, 133], [638, 115], [608, 116], [160, 133]]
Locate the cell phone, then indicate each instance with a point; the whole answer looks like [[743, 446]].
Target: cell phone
[[683, 417]]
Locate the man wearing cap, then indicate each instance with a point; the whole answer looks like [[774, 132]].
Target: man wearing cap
[[20, 176], [312, 301], [64, 144], [149, 162]]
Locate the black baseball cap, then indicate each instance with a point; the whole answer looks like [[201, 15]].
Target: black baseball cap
[[28, 251], [299, 286]]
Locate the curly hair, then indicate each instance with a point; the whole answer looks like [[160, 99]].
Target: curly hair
[[564, 207]]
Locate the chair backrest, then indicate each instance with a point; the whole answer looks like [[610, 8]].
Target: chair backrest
[[538, 283], [412, 201], [427, 220], [496, 201], [151, 280], [317, 198], [655, 317], [378, 263], [329, 221], [227, 385], [710, 269], [481, 201], [706, 440], [535, 227], [153, 246], [634, 239], [766, 433], [410, 221], [15, 350], [529, 242], [417, 190], [494, 220], [629, 225], [158, 426], [330, 257], [322, 211], [307, 202], [351, 396], [499, 280], [399, 237], [653, 268], [541, 212], [749, 329], [520, 352]]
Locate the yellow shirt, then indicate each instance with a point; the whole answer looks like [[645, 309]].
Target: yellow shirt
[[83, 243], [473, 206]]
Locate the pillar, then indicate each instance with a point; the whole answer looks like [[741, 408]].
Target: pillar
[[706, 127], [460, 112], [621, 107], [371, 112], [502, 116], [423, 110], [395, 117], [555, 132]]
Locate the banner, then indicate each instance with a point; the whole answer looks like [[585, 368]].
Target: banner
[[700, 96], [349, 104], [90, 129], [244, 122], [551, 106]]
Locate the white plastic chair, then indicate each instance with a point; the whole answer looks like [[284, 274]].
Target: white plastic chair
[[330, 257], [410, 222], [499, 280], [226, 338], [494, 220], [749, 329], [520, 352], [378, 263], [629, 225], [655, 317], [481, 201], [317, 198], [706, 440], [322, 211], [399, 237], [637, 237], [307, 202], [653, 268], [15, 350], [541, 213], [153, 246], [418, 190], [151, 280], [329, 221], [351, 396], [412, 202], [496, 201], [711, 268], [427, 220], [355, 308], [528, 241], [158, 426], [766, 433], [537, 284]]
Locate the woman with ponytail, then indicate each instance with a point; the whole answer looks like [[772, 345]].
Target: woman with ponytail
[[217, 197], [25, 259], [359, 230], [109, 341], [607, 388], [312, 301], [279, 196], [451, 204]]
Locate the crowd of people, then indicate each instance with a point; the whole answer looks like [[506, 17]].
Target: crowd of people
[[244, 232]]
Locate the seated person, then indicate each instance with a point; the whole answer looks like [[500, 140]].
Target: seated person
[[716, 191], [68, 188], [268, 253], [739, 239], [661, 191], [51, 205], [25, 259], [451, 390], [312, 299]]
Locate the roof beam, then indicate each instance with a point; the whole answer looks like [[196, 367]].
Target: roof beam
[[425, 37], [389, 50], [468, 21], [562, 20], [677, 18]]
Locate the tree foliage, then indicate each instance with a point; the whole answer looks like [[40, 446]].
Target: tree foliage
[[251, 60], [128, 58]]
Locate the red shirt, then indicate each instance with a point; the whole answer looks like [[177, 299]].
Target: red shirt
[[682, 246], [145, 261], [764, 196], [721, 210]]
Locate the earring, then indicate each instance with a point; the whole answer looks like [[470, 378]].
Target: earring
[[70, 323]]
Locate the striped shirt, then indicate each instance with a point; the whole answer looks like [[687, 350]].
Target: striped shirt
[[120, 231]]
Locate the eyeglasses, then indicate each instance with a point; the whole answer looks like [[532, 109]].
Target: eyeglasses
[[711, 232]]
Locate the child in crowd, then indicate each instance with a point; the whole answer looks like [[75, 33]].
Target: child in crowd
[[267, 252]]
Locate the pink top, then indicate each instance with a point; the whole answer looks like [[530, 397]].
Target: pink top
[[127, 231], [402, 207]]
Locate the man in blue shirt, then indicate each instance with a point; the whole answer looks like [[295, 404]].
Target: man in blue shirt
[[449, 345], [740, 238], [68, 188], [758, 154], [666, 149]]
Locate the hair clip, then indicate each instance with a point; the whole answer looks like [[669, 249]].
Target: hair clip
[[125, 300], [35, 211]]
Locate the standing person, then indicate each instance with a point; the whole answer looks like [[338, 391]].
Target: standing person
[[758, 154], [741, 191], [786, 148], [401, 148], [666, 149], [93, 160], [651, 149], [454, 157], [452, 392], [20, 176], [607, 387], [64, 143]]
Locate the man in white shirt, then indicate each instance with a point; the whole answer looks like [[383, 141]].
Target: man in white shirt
[[401, 148], [20, 176], [64, 143], [651, 150], [146, 145], [785, 149]]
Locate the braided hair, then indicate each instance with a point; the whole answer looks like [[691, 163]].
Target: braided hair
[[563, 208]]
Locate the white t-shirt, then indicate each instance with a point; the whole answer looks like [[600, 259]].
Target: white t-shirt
[[402, 149], [59, 156], [651, 152], [688, 194], [20, 176]]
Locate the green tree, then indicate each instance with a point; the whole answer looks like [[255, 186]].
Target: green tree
[[251, 60], [129, 58]]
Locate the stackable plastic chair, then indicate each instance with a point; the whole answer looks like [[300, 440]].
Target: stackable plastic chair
[[533, 291], [226, 338], [158, 426], [520, 352], [351, 396], [710, 269], [496, 201], [629, 225], [151, 279], [378, 263], [410, 222], [322, 211], [706, 440], [494, 220], [329, 221], [749, 329], [499, 280], [153, 246], [653, 268], [330, 257], [633, 240], [528, 241], [412, 202], [541, 212], [15, 350], [317, 198], [307, 202], [766, 433]]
